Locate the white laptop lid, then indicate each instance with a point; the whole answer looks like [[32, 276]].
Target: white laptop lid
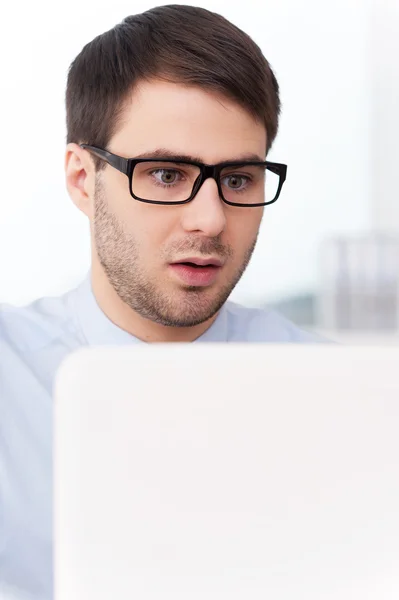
[[239, 472]]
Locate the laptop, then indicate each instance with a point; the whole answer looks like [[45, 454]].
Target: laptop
[[227, 472]]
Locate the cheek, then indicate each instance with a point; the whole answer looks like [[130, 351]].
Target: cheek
[[152, 227], [243, 228]]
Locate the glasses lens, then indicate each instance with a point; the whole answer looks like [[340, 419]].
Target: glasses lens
[[164, 181], [249, 184]]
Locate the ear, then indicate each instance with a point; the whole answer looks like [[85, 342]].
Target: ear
[[80, 178]]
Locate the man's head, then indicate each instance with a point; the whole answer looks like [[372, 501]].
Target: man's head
[[176, 81]]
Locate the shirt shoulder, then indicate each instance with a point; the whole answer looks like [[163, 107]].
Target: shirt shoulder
[[33, 327], [265, 325]]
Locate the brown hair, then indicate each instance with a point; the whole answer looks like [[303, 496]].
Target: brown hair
[[182, 44]]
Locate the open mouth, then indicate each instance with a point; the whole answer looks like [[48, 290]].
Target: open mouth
[[195, 266], [195, 275]]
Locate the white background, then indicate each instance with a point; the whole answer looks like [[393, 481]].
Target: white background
[[340, 92]]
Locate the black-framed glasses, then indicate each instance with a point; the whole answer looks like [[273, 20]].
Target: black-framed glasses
[[167, 181]]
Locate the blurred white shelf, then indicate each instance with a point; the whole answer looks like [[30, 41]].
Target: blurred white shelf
[[360, 338]]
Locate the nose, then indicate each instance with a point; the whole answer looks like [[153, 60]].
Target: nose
[[206, 213]]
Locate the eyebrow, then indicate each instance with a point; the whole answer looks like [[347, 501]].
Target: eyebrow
[[173, 156]]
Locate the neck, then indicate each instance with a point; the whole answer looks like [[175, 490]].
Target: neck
[[129, 320]]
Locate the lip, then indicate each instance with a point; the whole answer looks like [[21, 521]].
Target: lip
[[199, 276], [201, 262]]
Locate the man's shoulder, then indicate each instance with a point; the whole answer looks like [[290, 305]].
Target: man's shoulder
[[265, 325], [34, 326]]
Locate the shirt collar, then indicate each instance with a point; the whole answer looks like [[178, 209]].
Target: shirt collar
[[98, 329]]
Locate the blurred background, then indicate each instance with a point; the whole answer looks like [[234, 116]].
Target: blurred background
[[328, 250]]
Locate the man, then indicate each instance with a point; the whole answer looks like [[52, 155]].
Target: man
[[170, 116]]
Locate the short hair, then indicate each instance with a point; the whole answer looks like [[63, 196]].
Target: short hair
[[176, 43]]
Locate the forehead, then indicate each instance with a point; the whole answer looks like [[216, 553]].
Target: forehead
[[186, 119]]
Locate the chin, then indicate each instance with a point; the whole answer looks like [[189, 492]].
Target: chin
[[193, 310]]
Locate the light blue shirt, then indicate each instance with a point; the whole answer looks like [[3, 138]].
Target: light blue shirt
[[33, 342]]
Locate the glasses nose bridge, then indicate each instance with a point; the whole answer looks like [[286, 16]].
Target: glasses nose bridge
[[207, 172]]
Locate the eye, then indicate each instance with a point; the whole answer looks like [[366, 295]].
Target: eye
[[235, 181], [166, 176]]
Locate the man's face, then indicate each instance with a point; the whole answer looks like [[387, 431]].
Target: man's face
[[138, 244]]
